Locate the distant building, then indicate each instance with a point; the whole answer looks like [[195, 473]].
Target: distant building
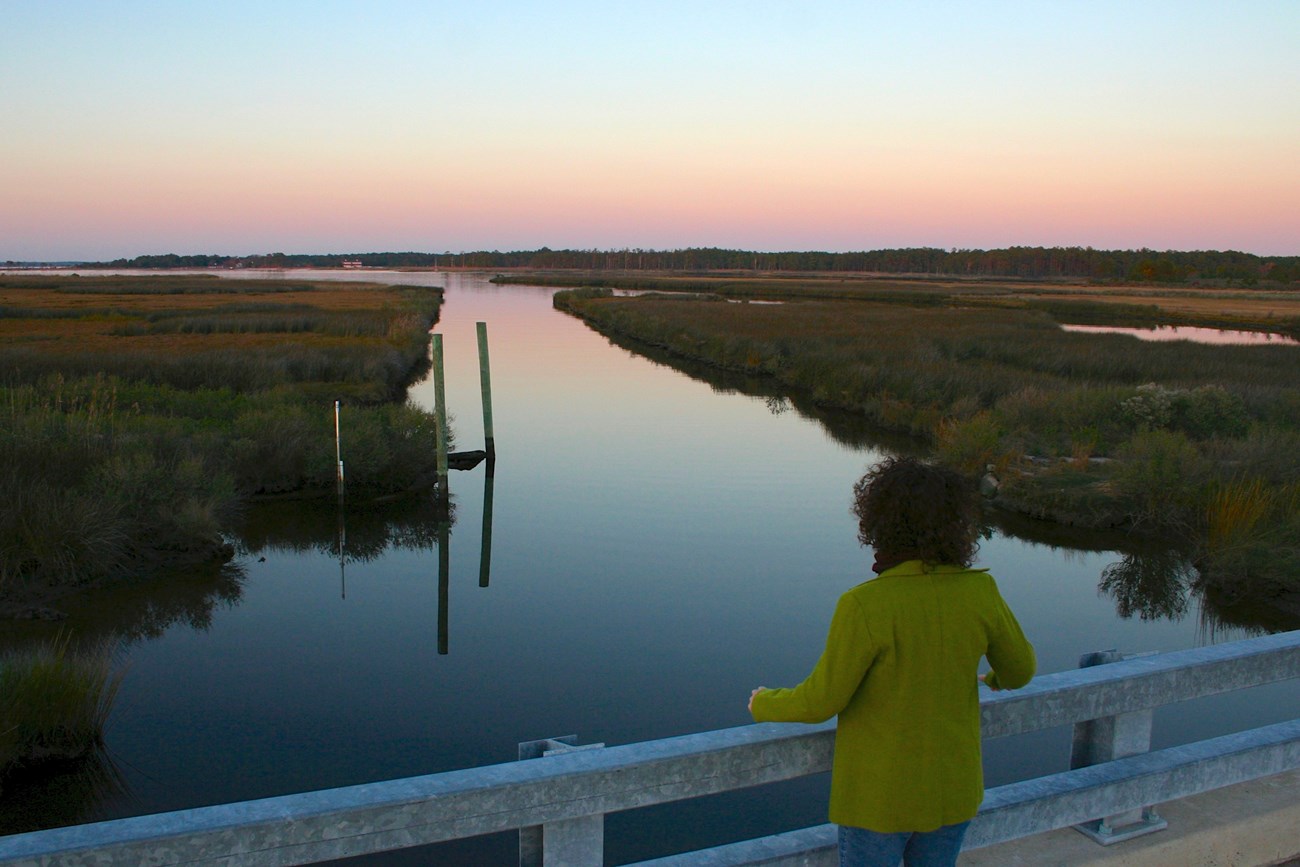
[[351, 263]]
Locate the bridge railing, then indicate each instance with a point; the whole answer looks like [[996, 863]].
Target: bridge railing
[[558, 801]]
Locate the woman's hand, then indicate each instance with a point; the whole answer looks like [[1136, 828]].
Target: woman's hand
[[991, 686], [751, 697]]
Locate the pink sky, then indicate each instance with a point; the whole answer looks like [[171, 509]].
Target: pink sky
[[1171, 126]]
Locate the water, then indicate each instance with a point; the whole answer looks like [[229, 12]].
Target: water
[[1217, 336], [659, 546]]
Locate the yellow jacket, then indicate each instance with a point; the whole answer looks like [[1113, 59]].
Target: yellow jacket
[[900, 668]]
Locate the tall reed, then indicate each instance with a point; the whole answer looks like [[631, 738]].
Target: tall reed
[[1235, 512]]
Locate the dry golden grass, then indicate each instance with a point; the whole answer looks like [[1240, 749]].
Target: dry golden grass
[[1247, 305], [104, 312], [1252, 308], [31, 292]]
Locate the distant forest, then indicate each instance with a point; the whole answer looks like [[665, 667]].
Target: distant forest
[[1028, 263]]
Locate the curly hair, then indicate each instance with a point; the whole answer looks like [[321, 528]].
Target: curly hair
[[907, 507]]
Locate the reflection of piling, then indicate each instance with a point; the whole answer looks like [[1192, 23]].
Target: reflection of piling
[[440, 408], [485, 382], [444, 582], [343, 535], [485, 555]]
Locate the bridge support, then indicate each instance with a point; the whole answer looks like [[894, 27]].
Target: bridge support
[[576, 842], [1104, 740]]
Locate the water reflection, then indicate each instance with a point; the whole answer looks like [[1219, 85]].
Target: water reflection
[[845, 428], [444, 572], [353, 534], [70, 796], [485, 549], [138, 610], [1150, 580], [1217, 336], [1153, 585]]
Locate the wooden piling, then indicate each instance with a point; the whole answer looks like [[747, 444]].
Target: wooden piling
[[485, 382], [440, 408]]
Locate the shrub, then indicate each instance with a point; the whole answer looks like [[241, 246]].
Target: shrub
[[970, 446], [1164, 476], [1209, 411], [270, 449], [1151, 408]]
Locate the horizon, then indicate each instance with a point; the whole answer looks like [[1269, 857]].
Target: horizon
[[766, 127], [613, 250]]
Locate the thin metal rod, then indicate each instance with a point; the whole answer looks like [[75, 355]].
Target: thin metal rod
[[440, 407]]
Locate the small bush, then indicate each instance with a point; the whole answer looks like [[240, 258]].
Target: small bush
[[1164, 476], [1209, 411], [1151, 408], [972, 445]]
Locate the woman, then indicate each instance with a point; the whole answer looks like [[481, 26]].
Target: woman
[[900, 668]]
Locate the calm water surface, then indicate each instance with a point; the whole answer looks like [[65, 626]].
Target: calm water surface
[[659, 546], [1163, 333]]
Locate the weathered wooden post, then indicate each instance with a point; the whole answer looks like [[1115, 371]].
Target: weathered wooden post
[[440, 409], [1104, 740], [485, 382]]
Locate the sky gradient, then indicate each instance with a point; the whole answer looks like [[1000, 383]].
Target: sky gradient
[[129, 128]]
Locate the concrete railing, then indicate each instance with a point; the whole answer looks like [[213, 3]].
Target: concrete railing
[[558, 801]]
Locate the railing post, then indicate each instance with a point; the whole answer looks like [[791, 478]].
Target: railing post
[[576, 842], [1106, 739]]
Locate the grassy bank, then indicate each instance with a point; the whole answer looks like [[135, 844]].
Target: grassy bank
[[1196, 442], [1074, 301], [137, 415]]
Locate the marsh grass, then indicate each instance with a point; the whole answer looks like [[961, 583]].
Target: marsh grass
[[54, 702], [163, 284], [121, 454], [1124, 432], [1235, 512], [1070, 301]]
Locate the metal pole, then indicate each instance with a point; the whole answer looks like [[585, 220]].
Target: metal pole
[[485, 381], [440, 401], [338, 449]]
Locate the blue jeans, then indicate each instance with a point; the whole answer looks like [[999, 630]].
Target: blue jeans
[[938, 848]]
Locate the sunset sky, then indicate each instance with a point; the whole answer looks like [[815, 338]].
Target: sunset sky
[[129, 127]]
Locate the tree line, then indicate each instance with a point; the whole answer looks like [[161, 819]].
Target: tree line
[[1029, 263]]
